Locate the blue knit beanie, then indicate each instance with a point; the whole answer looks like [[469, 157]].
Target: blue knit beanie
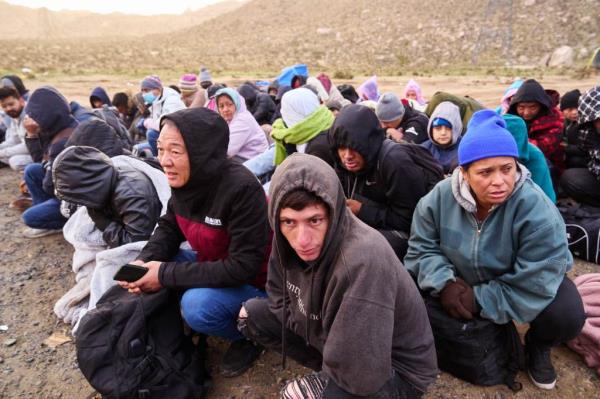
[[441, 122], [486, 137]]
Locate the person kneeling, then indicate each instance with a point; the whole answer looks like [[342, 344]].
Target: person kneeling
[[335, 286], [489, 243]]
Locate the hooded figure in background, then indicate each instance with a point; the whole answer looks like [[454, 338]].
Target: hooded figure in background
[[121, 201], [99, 98], [16, 83], [382, 186], [369, 90], [538, 107], [329, 301], [246, 138], [302, 126], [259, 104], [530, 155], [49, 124], [445, 150]]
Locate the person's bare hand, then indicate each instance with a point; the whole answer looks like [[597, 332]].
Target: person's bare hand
[[354, 206], [395, 134], [148, 283]]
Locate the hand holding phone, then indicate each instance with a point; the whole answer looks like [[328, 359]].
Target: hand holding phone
[[130, 273]]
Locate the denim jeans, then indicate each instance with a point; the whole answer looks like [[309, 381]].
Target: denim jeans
[[45, 211], [214, 311], [152, 136]]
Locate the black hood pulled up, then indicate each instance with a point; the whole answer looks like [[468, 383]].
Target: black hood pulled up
[[51, 111], [357, 128], [531, 91], [206, 137], [84, 176], [98, 134]]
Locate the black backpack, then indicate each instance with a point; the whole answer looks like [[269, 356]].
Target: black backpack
[[133, 346], [478, 350], [434, 173], [583, 229]]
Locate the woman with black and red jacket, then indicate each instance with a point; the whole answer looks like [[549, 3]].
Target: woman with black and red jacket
[[220, 208]]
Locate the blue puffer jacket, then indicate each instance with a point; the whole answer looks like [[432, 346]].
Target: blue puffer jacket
[[514, 260]]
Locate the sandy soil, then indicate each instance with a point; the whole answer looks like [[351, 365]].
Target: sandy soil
[[34, 274]]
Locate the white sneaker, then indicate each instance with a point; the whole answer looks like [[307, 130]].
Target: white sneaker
[[30, 232]]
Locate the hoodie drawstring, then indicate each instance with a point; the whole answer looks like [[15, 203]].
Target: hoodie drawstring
[[284, 313]]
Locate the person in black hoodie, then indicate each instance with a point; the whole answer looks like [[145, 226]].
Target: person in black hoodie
[[347, 306], [259, 104], [382, 186], [220, 208], [538, 108], [99, 98], [401, 123], [121, 201], [49, 124]]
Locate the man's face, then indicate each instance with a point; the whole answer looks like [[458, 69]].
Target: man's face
[[391, 124], [571, 114], [305, 230], [13, 106], [97, 103], [492, 180], [173, 156], [529, 110], [352, 161]]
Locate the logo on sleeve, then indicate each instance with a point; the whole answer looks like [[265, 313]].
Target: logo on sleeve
[[212, 221]]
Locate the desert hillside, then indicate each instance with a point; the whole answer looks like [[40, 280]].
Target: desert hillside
[[359, 36], [41, 23]]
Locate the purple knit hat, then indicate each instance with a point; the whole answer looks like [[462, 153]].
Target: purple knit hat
[[151, 82], [187, 83]]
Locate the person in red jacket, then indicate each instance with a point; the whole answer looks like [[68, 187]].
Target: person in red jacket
[[545, 123], [220, 208]]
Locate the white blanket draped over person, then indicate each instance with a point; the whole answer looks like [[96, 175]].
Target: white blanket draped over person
[[94, 264]]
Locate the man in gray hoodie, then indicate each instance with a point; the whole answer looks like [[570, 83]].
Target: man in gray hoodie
[[343, 300]]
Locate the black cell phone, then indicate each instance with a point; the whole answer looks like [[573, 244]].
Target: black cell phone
[[130, 273]]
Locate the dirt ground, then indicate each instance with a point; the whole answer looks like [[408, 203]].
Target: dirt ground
[[34, 274]]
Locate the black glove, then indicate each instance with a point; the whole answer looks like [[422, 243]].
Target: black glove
[[100, 219], [452, 302]]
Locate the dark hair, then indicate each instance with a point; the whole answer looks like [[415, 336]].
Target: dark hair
[[120, 99], [299, 199], [7, 91], [177, 89]]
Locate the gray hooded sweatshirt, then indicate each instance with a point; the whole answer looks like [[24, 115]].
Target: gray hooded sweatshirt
[[355, 303]]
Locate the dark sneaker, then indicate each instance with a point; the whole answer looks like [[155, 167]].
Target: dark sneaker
[[539, 364], [239, 357]]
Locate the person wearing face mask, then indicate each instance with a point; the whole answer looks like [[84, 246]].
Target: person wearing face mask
[[246, 138], [161, 101], [220, 208], [490, 244]]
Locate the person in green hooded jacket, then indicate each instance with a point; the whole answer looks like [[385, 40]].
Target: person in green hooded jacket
[[530, 156], [490, 244]]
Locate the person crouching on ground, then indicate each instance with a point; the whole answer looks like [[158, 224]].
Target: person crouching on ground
[[220, 208], [491, 244], [347, 306]]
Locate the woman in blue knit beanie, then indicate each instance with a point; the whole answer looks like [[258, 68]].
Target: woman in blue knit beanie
[[489, 244]]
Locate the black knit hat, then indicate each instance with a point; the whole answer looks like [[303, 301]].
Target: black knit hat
[[570, 99]]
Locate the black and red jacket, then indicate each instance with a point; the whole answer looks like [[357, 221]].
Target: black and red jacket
[[221, 212], [546, 130]]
